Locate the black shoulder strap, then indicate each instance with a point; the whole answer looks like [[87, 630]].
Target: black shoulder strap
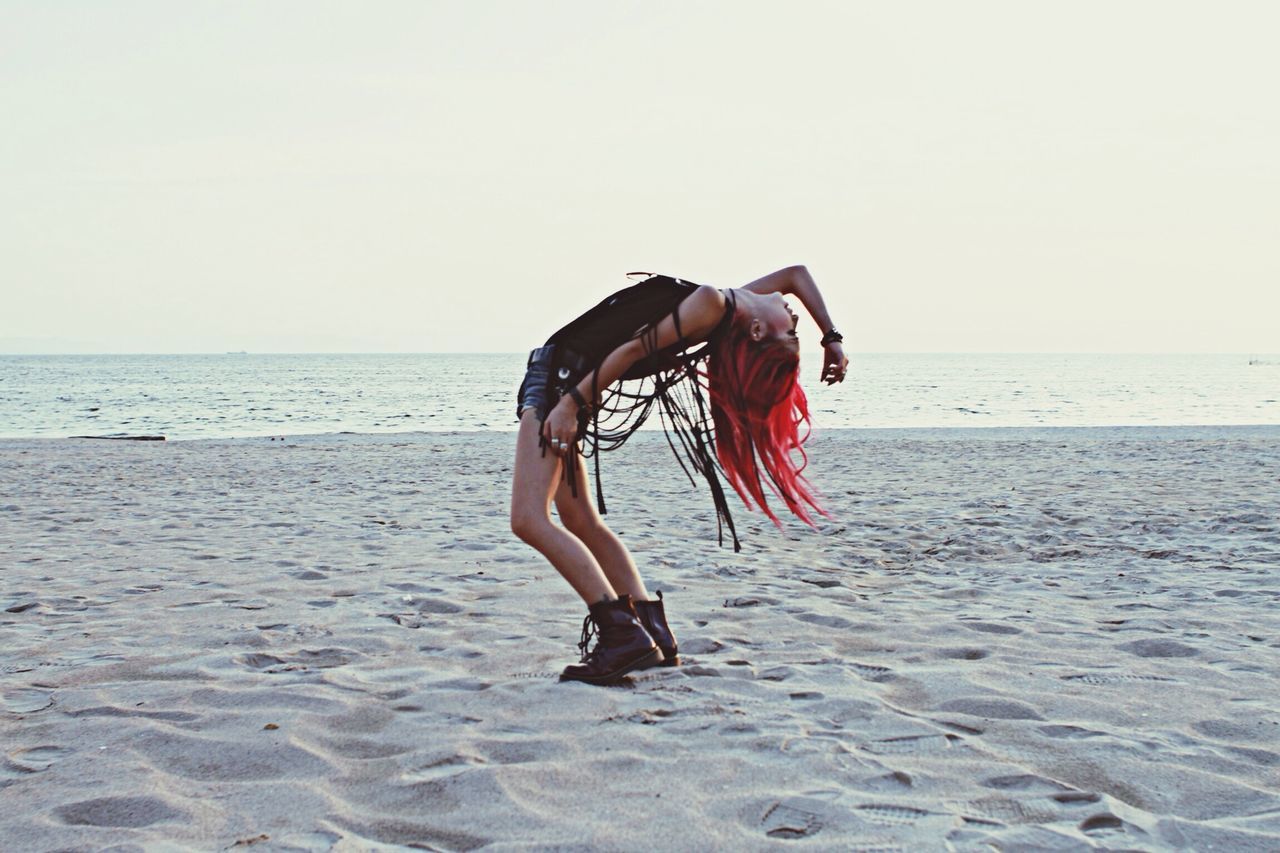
[[730, 305]]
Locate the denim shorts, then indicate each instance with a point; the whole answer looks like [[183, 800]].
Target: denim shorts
[[550, 372]]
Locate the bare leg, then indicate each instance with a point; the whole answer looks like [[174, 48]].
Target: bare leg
[[580, 517], [533, 482]]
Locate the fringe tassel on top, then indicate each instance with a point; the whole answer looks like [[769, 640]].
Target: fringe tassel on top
[[686, 420]]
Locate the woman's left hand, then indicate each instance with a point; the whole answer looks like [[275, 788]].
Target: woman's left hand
[[560, 430], [834, 363]]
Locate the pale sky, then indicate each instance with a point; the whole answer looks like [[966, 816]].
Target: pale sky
[[418, 176]]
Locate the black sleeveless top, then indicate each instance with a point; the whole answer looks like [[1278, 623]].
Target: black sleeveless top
[[632, 313], [666, 380]]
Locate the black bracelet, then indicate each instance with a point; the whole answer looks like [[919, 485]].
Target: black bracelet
[[577, 397], [832, 337]]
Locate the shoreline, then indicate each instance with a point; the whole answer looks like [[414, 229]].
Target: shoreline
[[1101, 432]]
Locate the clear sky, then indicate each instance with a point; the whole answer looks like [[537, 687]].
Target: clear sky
[[467, 176]]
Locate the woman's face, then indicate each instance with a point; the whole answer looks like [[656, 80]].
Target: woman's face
[[778, 321]]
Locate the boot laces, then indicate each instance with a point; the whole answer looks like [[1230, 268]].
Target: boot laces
[[589, 630]]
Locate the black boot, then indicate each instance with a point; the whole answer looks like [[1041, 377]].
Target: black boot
[[654, 620], [621, 645]]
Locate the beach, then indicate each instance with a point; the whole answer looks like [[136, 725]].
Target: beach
[[1000, 639]]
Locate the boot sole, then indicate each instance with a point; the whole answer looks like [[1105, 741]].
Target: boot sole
[[653, 658], [667, 660]]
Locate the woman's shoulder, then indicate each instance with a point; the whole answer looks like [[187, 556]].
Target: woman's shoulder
[[704, 311], [704, 302], [710, 296]]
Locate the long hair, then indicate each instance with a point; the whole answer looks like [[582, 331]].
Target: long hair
[[761, 417]]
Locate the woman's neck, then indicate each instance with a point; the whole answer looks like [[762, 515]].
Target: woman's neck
[[747, 303]]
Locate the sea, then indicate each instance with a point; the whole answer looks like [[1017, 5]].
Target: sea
[[234, 395]]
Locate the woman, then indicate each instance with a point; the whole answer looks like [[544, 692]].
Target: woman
[[572, 404]]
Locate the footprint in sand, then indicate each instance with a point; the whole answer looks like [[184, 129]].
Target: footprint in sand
[[301, 659], [1158, 648], [1028, 782], [1106, 827], [1010, 811], [999, 709], [25, 700], [891, 815], [784, 821], [38, 757], [1113, 678], [871, 672], [258, 660], [325, 658], [119, 811]]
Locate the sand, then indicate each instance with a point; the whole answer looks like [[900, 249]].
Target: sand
[[1004, 639]]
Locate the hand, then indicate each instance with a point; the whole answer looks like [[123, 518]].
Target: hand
[[560, 429], [834, 363]]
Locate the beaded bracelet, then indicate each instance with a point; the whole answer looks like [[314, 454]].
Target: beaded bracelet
[[832, 337]]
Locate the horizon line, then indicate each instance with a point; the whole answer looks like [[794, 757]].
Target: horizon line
[[1247, 353]]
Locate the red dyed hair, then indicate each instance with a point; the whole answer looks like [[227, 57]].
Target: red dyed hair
[[761, 416]]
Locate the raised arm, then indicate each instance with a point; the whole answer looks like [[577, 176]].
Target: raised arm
[[700, 312], [796, 280]]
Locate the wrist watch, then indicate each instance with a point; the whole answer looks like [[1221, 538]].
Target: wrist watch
[[832, 337]]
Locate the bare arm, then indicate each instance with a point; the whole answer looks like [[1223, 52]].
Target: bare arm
[[796, 281], [699, 315]]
